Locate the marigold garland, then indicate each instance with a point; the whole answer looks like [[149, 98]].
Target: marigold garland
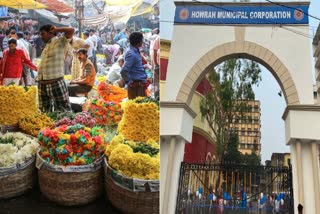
[[72, 145], [32, 124], [140, 120], [16, 103], [111, 92], [121, 157]]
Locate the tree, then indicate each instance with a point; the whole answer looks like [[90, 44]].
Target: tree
[[233, 155], [231, 83], [251, 159]]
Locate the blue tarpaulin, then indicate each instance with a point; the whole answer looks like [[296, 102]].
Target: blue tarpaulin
[[3, 11]]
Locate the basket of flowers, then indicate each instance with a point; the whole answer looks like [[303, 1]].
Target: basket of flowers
[[17, 157], [70, 164], [24, 100], [140, 120], [132, 175]]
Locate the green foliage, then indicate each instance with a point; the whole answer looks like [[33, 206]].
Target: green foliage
[[6, 140], [252, 159], [58, 115], [144, 148], [232, 154], [232, 82]]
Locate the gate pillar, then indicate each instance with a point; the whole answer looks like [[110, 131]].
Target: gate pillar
[[176, 124], [302, 123]]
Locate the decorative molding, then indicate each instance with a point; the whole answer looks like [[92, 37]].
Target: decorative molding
[[168, 104], [299, 108]]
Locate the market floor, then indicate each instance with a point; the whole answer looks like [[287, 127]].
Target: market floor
[[34, 202]]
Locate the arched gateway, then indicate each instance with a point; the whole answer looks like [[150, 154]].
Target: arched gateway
[[207, 34]]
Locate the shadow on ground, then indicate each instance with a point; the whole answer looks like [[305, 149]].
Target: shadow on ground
[[35, 203]]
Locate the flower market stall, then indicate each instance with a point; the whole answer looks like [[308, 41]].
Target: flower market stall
[[113, 142], [132, 163]]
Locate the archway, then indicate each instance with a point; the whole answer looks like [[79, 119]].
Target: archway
[[241, 49]]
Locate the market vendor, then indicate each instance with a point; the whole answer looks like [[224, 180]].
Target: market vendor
[[133, 72], [12, 63], [114, 73], [52, 87], [86, 81]]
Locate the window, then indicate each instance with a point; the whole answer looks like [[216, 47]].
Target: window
[[256, 132], [315, 95], [243, 119], [249, 108], [236, 119], [249, 119], [256, 120], [249, 131], [256, 108], [242, 146], [243, 131]]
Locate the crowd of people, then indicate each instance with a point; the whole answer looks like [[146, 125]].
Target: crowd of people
[[46, 56], [271, 203]]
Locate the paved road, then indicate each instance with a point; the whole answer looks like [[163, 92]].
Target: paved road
[[34, 202]]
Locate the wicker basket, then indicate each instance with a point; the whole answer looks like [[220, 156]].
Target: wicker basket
[[15, 181], [71, 185], [9, 128], [129, 197]]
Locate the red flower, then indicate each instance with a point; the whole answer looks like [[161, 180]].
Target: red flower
[[63, 128]]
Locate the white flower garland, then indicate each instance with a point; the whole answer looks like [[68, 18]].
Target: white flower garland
[[19, 151]]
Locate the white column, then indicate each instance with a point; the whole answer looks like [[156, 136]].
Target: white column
[[293, 156], [315, 169], [173, 148], [176, 125]]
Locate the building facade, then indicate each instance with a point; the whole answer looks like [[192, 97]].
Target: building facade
[[248, 128]]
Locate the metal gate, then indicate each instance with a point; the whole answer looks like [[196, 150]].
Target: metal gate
[[230, 188]]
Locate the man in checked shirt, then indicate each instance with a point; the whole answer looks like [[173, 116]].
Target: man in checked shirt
[[52, 89]]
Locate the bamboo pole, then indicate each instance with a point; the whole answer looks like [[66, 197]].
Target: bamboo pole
[[250, 183], [245, 177], [226, 181], [232, 177], [238, 181]]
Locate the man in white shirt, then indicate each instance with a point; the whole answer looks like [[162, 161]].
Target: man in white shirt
[[90, 43], [114, 73], [94, 39]]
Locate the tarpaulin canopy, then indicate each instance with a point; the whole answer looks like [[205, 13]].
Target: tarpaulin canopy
[[57, 6], [22, 4], [95, 20], [47, 17]]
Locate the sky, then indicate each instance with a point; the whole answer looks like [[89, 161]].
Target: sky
[[272, 105]]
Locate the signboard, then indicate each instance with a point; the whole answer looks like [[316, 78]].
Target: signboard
[[250, 14]]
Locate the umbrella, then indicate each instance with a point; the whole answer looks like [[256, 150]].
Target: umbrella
[[22, 4], [57, 6]]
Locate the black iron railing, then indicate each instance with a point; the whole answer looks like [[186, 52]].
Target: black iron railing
[[231, 188]]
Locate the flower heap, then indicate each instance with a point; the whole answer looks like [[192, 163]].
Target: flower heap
[[111, 92], [140, 120], [16, 148], [32, 124], [105, 113], [72, 145], [134, 159], [23, 100], [83, 118]]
